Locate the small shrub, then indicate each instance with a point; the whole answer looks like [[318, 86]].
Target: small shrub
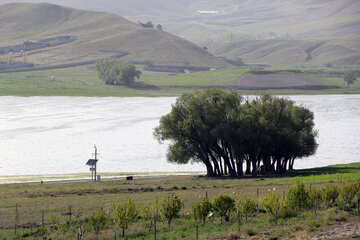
[[313, 225], [347, 192], [273, 237], [201, 209], [170, 207], [148, 212], [298, 197], [223, 205], [98, 221], [273, 204], [286, 213], [315, 194], [329, 195], [126, 213], [250, 232], [246, 207]]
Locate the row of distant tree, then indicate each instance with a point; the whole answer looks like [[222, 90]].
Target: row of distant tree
[[149, 24]]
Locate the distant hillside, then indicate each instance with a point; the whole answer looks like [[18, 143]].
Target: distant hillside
[[236, 20], [97, 35], [341, 51]]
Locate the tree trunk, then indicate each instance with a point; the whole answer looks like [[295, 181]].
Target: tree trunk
[[239, 167], [209, 168], [254, 168], [248, 167]]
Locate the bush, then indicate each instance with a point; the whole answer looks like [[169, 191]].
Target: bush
[[170, 207], [246, 207], [329, 195], [223, 205], [148, 212], [98, 221], [313, 225], [287, 213], [298, 197], [273, 204], [201, 209], [126, 213], [250, 231], [348, 191]]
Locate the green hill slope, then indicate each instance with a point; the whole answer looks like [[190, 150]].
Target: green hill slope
[[98, 34]]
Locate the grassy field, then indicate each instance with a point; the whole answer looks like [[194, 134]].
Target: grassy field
[[85, 197], [80, 81]]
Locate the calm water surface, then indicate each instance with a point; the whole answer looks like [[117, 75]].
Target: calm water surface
[[52, 135]]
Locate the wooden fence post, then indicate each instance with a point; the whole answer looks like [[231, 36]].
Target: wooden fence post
[[42, 218], [16, 217], [314, 207], [155, 217]]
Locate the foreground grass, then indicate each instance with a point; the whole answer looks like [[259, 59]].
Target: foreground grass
[[84, 197]]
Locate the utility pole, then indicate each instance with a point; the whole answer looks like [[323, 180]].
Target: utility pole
[[92, 164], [95, 159]]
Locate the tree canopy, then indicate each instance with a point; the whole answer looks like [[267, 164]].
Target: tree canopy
[[116, 72], [350, 77], [225, 131]]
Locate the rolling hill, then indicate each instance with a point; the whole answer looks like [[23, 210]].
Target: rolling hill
[[342, 51], [275, 31], [97, 35], [237, 19]]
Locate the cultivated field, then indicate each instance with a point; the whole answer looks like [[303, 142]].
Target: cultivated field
[[271, 81]]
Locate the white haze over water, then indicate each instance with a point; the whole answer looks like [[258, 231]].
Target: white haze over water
[[55, 135]]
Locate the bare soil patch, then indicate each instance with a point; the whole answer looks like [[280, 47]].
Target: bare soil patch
[[341, 231], [268, 81]]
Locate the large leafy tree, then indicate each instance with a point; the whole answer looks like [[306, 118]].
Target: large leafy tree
[[116, 72], [224, 130]]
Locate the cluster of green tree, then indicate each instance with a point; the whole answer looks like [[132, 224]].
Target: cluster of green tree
[[298, 198], [116, 72], [149, 24], [225, 130]]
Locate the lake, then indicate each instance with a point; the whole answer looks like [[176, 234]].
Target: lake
[[56, 135]]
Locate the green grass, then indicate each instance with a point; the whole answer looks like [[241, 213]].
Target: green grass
[[221, 77], [56, 197], [79, 81]]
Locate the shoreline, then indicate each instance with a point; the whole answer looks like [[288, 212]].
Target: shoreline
[[78, 177], [109, 176]]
